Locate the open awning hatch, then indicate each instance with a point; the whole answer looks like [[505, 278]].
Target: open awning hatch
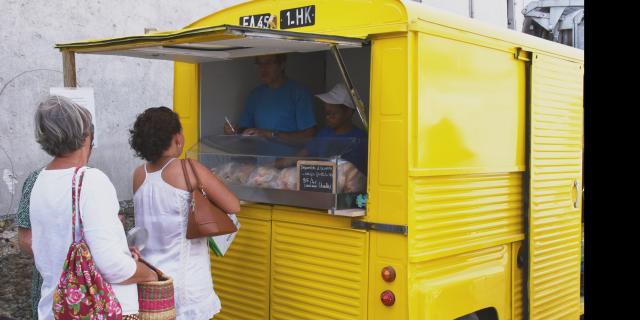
[[208, 44]]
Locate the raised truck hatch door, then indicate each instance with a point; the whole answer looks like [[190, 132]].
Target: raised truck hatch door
[[206, 44], [217, 43]]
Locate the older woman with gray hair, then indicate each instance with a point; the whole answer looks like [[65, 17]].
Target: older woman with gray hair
[[64, 130]]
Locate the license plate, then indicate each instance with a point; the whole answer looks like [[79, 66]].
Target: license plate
[[298, 17], [265, 20]]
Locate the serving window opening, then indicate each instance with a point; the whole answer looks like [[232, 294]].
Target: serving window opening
[[325, 171]]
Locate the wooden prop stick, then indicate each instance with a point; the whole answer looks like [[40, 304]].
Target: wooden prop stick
[[69, 68]]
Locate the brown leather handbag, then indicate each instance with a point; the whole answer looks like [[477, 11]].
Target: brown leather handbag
[[205, 218]]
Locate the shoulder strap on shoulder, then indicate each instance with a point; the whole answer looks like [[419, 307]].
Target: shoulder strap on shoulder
[[195, 174], [186, 176], [74, 203], [166, 164]]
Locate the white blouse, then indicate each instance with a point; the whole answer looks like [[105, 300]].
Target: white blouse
[[162, 209], [50, 215]]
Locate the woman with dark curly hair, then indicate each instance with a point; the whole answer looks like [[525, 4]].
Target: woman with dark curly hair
[[161, 203]]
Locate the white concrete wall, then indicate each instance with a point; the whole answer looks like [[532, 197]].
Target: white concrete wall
[[460, 7], [123, 87], [491, 11]]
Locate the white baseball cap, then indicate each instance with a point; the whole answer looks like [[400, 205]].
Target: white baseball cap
[[338, 95]]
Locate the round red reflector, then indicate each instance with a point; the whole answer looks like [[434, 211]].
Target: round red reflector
[[388, 274], [388, 298]]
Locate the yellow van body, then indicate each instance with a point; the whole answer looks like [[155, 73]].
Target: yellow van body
[[475, 145]]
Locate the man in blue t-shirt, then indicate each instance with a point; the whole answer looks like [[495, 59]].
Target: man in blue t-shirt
[[279, 107], [338, 111]]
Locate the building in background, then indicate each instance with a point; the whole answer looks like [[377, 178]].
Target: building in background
[[556, 20]]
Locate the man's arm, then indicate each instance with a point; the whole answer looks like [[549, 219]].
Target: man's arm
[[306, 133]]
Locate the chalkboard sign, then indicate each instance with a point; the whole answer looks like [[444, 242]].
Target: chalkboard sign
[[318, 176]]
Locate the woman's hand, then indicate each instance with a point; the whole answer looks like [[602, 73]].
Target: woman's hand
[[135, 253]]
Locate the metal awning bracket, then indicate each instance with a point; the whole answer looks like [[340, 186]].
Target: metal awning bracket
[[352, 90]]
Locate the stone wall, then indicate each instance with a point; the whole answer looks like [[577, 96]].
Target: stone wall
[[15, 277]]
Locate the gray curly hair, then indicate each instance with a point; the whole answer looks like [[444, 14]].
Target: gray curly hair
[[61, 125]]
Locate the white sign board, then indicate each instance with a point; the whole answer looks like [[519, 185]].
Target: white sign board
[[83, 97], [220, 244]]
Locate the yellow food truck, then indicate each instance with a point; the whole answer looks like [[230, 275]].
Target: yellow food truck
[[471, 204]]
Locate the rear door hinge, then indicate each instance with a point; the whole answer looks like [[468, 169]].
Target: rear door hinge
[[392, 228], [521, 54]]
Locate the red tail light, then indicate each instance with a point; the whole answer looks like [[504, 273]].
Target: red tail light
[[388, 298], [388, 273]]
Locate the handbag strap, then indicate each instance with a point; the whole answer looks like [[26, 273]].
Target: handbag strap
[[75, 204], [152, 267], [196, 174], [186, 176]]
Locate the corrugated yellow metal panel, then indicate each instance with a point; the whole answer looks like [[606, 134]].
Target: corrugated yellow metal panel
[[456, 285], [318, 273], [556, 167], [454, 214], [310, 217], [256, 211], [241, 278]]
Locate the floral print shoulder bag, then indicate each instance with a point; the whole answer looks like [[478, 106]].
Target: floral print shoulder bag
[[82, 293]]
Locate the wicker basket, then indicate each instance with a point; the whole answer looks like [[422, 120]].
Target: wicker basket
[[155, 298]]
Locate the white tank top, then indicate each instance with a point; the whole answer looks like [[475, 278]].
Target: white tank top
[[162, 209]]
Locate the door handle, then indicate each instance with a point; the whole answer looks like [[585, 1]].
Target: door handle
[[575, 190]]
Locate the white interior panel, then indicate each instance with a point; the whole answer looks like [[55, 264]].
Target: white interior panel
[[241, 44]]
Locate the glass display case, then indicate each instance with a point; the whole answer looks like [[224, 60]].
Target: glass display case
[[316, 173]]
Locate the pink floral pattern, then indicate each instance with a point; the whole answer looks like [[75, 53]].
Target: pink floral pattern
[[81, 291]]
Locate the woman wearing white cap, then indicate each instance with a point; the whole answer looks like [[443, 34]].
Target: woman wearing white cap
[[338, 110]]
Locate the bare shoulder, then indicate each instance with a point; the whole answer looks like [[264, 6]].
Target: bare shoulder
[[174, 175], [138, 177], [138, 173], [202, 170], [139, 170]]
